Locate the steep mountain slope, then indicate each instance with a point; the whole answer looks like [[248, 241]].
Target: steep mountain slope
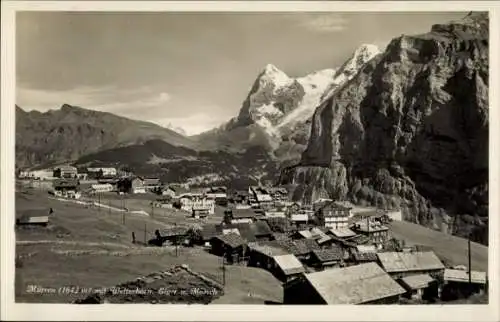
[[70, 132], [410, 130], [180, 164], [277, 110]]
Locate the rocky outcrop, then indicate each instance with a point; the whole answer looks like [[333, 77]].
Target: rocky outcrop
[[410, 130]]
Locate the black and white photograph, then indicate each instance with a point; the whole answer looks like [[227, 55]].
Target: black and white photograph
[[271, 158]]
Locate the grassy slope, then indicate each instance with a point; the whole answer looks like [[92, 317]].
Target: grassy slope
[[92, 230], [450, 248]]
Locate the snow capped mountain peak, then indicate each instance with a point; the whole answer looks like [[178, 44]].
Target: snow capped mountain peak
[[274, 75], [361, 56], [366, 50]]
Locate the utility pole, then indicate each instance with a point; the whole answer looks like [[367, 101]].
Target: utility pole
[[223, 269], [176, 242], [99, 202], [470, 262]]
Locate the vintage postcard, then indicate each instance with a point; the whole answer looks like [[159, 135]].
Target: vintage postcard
[[291, 161]]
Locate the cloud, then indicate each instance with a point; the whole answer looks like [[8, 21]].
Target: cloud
[[195, 123], [138, 102], [324, 22]]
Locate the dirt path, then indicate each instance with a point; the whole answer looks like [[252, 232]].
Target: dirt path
[[72, 243]]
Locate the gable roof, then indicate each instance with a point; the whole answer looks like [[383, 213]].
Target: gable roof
[[329, 254], [354, 284], [458, 275], [342, 232], [65, 183], [244, 229], [415, 282], [289, 264], [232, 240], [404, 262], [299, 247], [267, 249]]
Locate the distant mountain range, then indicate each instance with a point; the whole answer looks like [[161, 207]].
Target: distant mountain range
[[70, 132]]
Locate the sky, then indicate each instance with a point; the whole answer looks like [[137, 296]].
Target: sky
[[184, 70]]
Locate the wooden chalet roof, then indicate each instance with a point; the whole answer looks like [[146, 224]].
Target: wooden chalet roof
[[415, 282], [354, 284], [289, 264], [232, 240], [328, 254], [403, 262]]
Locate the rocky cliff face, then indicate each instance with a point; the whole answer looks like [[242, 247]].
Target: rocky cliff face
[[410, 130]]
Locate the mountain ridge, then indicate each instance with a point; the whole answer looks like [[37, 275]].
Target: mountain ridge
[[67, 133]]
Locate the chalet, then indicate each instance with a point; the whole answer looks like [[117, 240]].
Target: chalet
[[324, 258], [137, 185], [262, 255], [200, 212], [175, 191], [206, 233], [299, 219], [133, 185], [456, 283], [151, 183], [97, 172], [333, 215], [32, 221], [301, 248], [400, 265], [230, 246], [419, 287], [289, 267], [234, 216], [66, 185], [197, 206], [360, 284], [217, 192], [174, 235], [274, 214], [33, 217], [342, 233], [65, 171], [376, 232], [99, 188], [261, 195]]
